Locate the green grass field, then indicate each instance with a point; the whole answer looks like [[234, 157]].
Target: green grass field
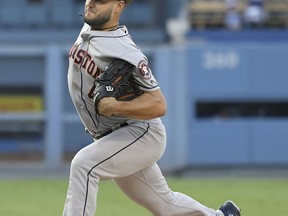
[[256, 197]]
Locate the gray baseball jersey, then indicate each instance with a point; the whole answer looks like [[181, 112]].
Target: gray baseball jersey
[[92, 52]]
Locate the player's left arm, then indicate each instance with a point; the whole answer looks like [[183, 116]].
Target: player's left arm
[[149, 105]]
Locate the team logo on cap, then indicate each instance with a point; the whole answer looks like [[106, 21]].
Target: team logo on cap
[[144, 70]]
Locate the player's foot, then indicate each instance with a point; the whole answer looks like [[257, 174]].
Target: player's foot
[[228, 209]]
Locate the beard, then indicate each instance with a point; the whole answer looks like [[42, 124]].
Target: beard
[[100, 20]]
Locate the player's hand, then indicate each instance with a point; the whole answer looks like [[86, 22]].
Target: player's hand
[[106, 106]]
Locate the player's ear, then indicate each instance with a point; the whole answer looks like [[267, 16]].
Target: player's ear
[[120, 4]]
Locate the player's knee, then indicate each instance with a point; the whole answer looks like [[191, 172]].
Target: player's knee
[[78, 162]]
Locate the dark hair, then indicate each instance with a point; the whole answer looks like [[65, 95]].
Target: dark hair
[[127, 1]]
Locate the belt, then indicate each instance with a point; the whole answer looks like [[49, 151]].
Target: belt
[[110, 130]]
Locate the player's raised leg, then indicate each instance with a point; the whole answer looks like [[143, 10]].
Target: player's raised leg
[[148, 188]]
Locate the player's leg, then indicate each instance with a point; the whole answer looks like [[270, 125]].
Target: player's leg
[[148, 188], [80, 184], [122, 153]]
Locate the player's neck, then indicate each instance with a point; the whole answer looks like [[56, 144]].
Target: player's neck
[[109, 28]]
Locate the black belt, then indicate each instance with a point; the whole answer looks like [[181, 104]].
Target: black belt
[[111, 130]]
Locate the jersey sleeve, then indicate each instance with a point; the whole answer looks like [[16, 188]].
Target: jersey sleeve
[[119, 45], [142, 74]]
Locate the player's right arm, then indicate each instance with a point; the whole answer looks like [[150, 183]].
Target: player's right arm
[[149, 105]]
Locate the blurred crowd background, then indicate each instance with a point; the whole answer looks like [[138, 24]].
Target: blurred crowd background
[[222, 65]]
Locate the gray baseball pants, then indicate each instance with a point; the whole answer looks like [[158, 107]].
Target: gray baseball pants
[[127, 155]]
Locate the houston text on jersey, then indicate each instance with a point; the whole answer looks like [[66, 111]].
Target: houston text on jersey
[[84, 60]]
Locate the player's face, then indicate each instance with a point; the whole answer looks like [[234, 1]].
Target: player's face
[[98, 12]]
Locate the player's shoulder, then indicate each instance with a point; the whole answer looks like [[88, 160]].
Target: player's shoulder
[[85, 27], [123, 29], [122, 35]]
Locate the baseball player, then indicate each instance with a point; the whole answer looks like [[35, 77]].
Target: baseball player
[[128, 136]]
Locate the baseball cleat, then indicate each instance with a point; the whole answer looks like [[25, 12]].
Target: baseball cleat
[[229, 209]]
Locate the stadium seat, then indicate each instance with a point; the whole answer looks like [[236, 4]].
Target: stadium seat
[[277, 11], [209, 13]]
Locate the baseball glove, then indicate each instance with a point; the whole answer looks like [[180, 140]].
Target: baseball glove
[[116, 81]]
